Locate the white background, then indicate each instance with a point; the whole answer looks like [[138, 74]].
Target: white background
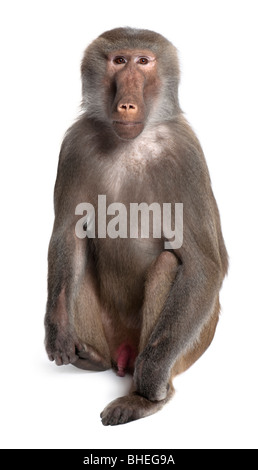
[[44, 406]]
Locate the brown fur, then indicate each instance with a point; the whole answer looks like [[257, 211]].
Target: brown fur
[[128, 303]]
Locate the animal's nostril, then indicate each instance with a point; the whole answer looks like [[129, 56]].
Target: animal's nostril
[[127, 107]]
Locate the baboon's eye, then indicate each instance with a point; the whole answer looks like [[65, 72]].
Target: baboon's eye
[[119, 60], [143, 61]]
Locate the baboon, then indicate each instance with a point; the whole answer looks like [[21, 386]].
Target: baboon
[[135, 304]]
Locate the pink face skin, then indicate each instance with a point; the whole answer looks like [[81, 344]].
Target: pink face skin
[[134, 75]]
